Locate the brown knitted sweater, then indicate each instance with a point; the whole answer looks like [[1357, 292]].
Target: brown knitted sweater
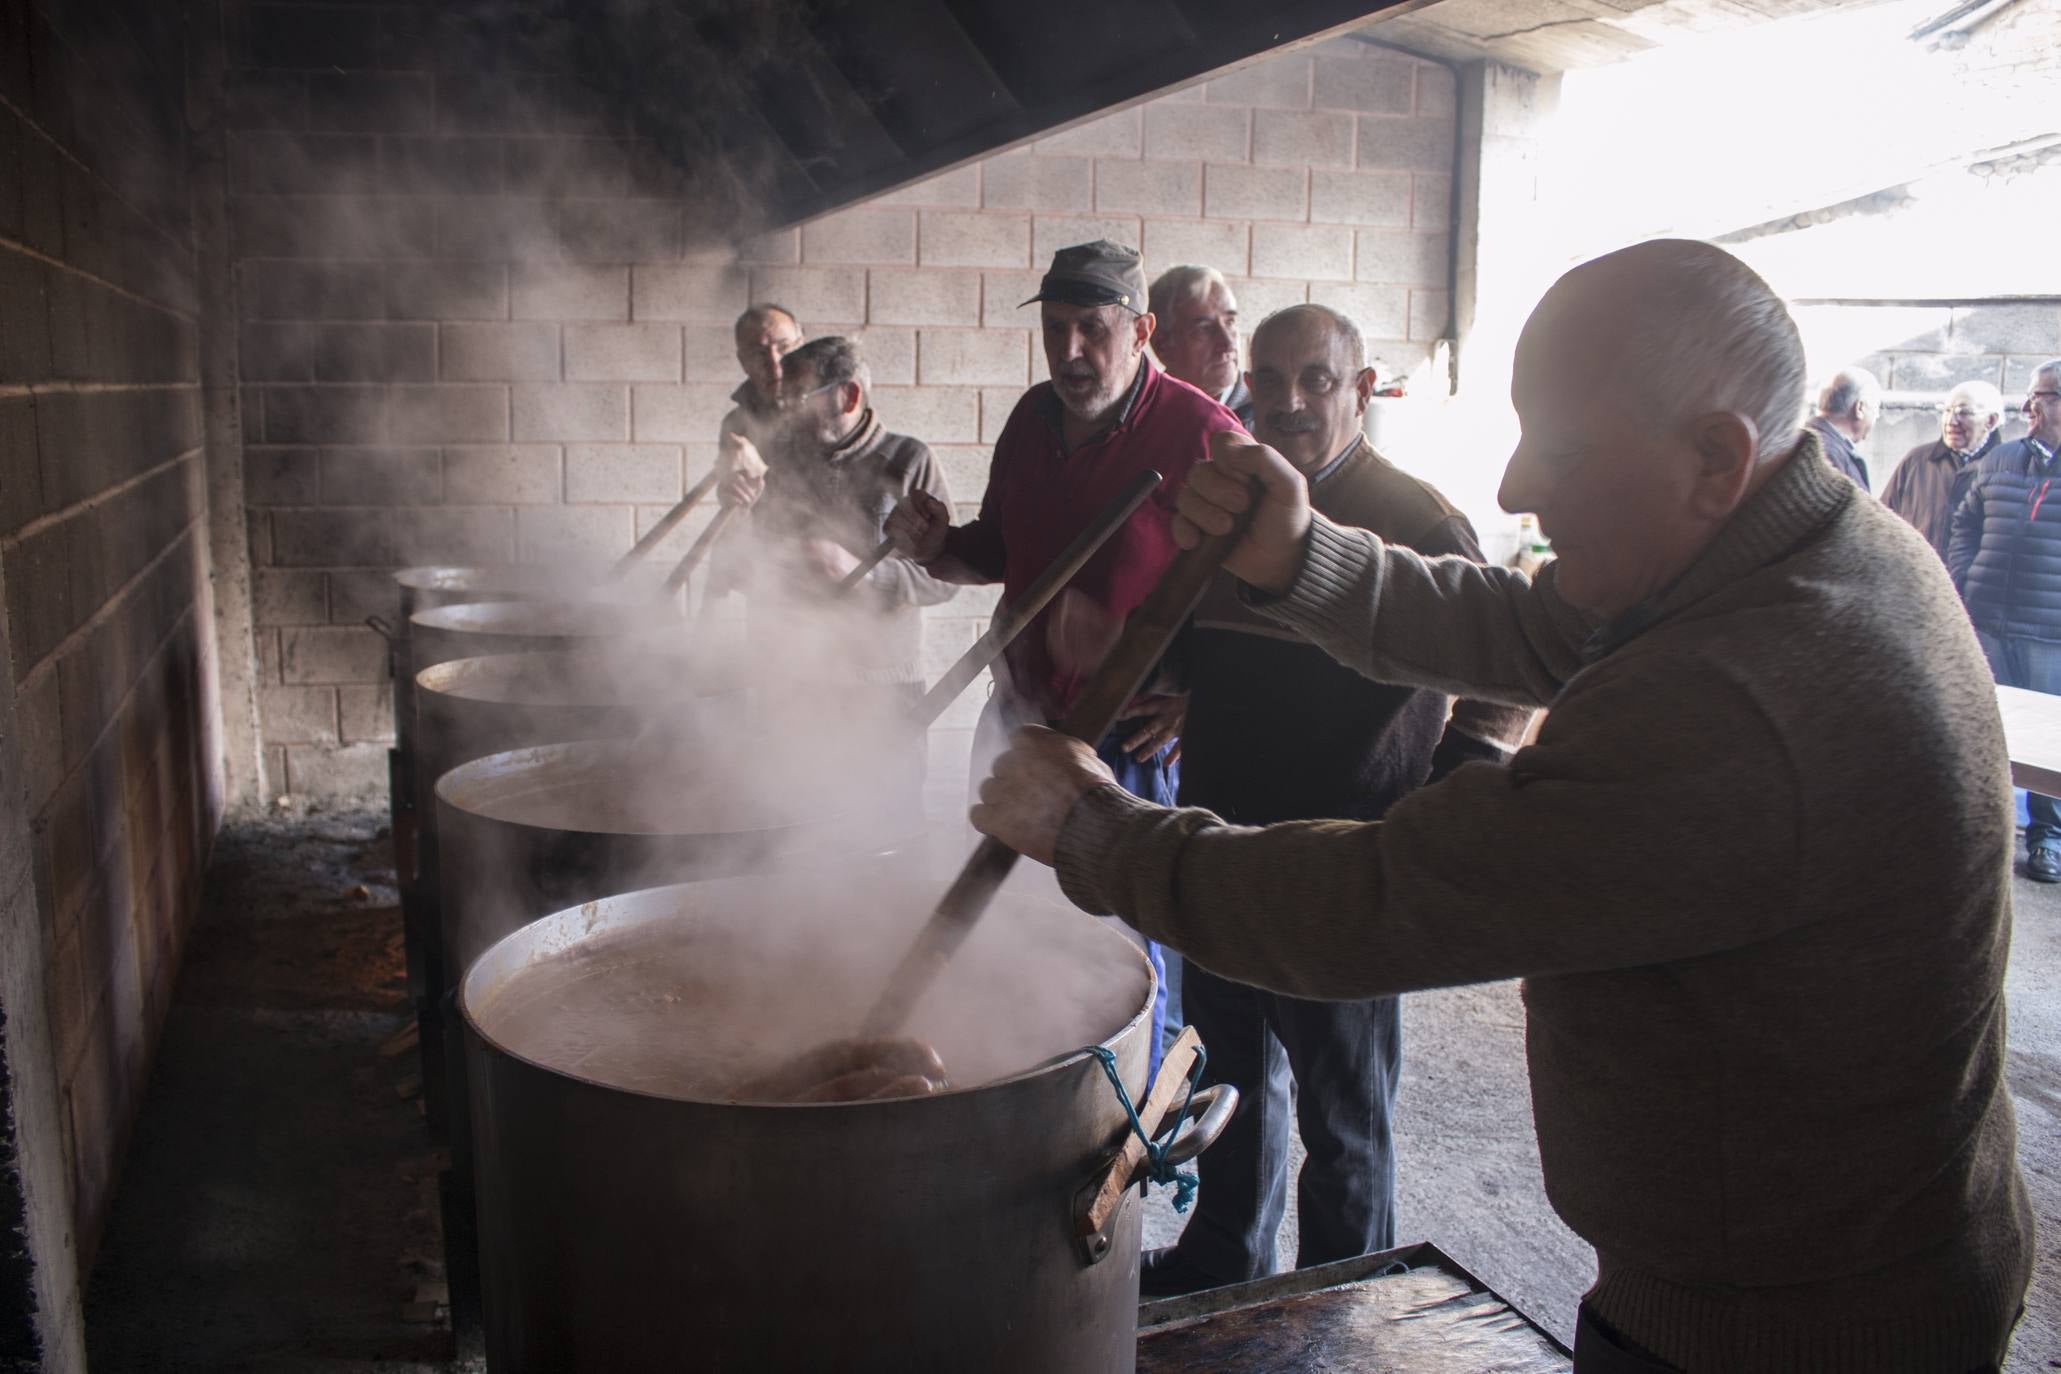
[[1755, 873]]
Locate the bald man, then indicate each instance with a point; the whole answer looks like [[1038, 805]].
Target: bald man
[[1764, 952], [1845, 417]]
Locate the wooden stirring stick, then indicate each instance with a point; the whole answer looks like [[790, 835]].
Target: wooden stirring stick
[[866, 565], [665, 526], [1010, 620], [699, 550], [1146, 634]]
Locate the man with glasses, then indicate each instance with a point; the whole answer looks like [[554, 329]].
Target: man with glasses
[[2005, 556], [1933, 477], [833, 476]]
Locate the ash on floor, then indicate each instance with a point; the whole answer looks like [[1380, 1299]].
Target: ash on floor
[[277, 1203]]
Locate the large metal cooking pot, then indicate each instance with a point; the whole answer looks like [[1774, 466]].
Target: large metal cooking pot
[[426, 589], [468, 708], [632, 1219], [531, 831]]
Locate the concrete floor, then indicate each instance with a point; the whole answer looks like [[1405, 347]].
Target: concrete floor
[[275, 1211]]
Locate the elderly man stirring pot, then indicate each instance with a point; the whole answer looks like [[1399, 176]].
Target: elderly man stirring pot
[[1070, 445], [1763, 974]]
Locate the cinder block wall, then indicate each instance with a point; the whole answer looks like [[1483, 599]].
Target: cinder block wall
[[102, 548], [477, 328]]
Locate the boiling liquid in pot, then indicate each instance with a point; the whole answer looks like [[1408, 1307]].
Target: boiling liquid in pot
[[706, 1006]]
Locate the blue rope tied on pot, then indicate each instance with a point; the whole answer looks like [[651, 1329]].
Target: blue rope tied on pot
[[1157, 1167]]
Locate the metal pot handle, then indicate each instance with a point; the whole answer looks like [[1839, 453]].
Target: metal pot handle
[[384, 630], [1211, 1109], [1097, 1206]]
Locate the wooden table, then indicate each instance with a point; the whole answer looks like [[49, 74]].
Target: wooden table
[[2032, 733]]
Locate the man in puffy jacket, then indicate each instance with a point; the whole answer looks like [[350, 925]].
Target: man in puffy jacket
[[2005, 555]]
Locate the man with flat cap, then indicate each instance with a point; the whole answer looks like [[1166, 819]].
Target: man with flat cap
[[1070, 445]]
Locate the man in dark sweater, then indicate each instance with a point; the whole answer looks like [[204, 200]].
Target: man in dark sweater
[[1350, 748], [2005, 557], [1932, 479], [1754, 871], [1846, 413]]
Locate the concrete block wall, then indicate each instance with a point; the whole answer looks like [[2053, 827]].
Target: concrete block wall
[[1921, 351], [113, 748], [474, 335]]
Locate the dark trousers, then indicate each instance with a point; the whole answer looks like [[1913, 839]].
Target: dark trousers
[[1346, 1059], [2034, 664]]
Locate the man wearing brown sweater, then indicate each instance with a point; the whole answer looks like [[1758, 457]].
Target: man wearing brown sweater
[[1766, 1020]]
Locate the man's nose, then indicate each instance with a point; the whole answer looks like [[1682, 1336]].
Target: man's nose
[[1521, 489]]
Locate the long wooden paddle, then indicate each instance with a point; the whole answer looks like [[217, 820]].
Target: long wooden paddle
[[665, 526], [1146, 635]]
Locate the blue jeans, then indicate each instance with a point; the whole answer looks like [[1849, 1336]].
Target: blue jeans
[[1156, 781], [1347, 1059], [2034, 664]]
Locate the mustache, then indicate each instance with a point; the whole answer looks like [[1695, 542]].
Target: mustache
[[1293, 424]]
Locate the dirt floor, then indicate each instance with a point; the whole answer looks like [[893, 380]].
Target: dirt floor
[[277, 1208]]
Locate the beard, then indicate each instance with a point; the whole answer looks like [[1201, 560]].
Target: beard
[[1088, 396]]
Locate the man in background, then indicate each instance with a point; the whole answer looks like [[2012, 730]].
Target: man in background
[[1278, 730], [819, 505], [1847, 409], [1068, 448], [765, 334], [1195, 335], [2005, 557], [1933, 477]]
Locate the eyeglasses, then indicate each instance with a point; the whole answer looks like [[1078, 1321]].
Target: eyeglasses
[[815, 391], [2043, 395], [1960, 412]]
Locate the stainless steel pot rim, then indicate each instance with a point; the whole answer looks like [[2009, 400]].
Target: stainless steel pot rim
[[535, 764], [488, 678], [498, 577], [1066, 1059], [558, 619]]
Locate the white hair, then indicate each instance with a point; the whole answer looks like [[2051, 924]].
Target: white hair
[[1986, 399], [1184, 283], [1709, 334]]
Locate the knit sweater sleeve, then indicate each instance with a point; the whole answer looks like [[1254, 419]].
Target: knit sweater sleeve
[[1654, 820], [903, 581], [1449, 624]]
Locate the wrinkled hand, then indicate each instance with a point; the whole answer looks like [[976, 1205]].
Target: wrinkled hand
[[1158, 719], [828, 559], [918, 526], [1270, 555], [744, 472], [1025, 801]]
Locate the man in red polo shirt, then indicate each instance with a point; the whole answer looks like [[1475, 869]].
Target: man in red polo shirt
[[1069, 446]]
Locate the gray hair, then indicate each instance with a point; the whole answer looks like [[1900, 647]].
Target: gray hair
[[2050, 370], [1185, 283], [1848, 388], [1986, 399], [758, 316], [1707, 333], [1340, 324], [834, 360]]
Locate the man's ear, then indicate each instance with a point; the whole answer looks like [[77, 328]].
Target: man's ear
[[1363, 387], [1727, 448], [1145, 326]]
